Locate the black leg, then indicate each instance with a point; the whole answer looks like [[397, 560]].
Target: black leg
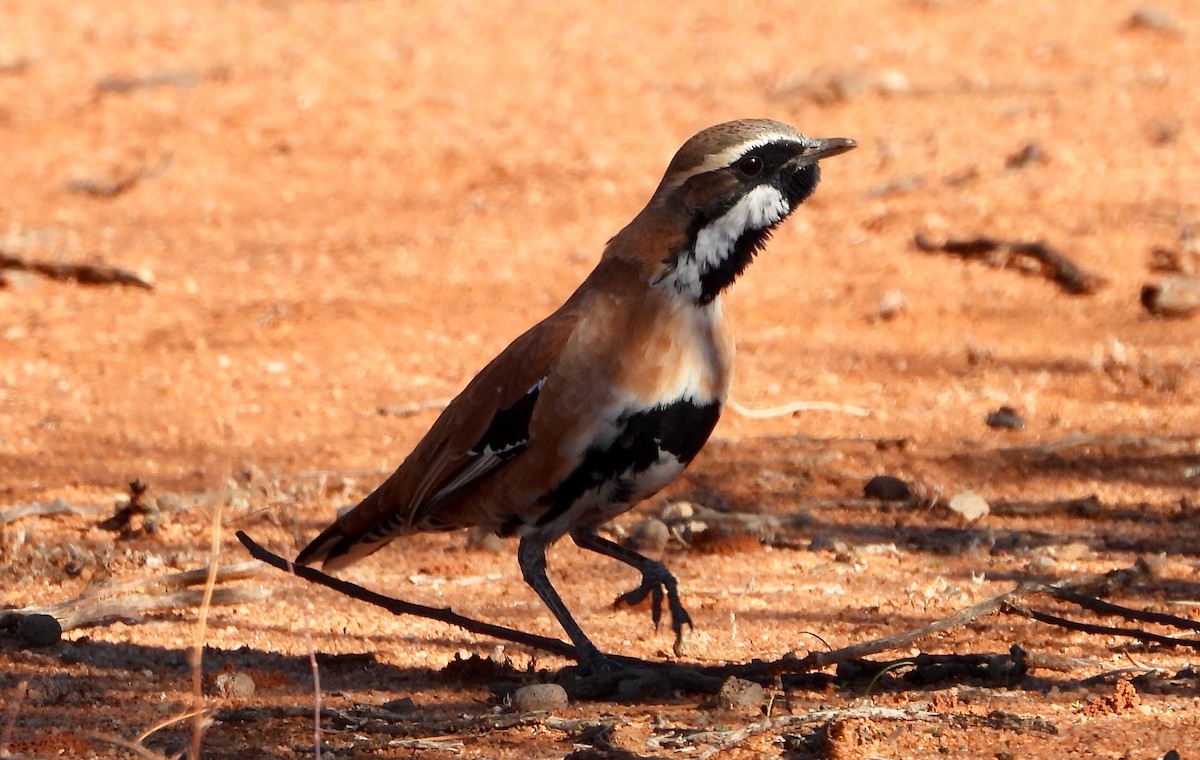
[[531, 555], [656, 579]]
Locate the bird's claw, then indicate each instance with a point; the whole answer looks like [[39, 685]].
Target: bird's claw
[[659, 587]]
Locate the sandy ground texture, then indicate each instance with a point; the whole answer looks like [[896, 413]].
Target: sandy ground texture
[[345, 207]]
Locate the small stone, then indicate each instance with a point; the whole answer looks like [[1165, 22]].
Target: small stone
[[741, 695], [1088, 506], [1005, 418], [678, 510], [1030, 153], [970, 506], [887, 488], [892, 303], [1155, 19], [39, 630], [398, 705], [237, 685], [650, 536], [539, 697], [1041, 564], [1176, 296]]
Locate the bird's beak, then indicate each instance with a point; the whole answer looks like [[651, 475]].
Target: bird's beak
[[824, 147]]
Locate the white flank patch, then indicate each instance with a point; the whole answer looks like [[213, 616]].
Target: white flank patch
[[758, 209]]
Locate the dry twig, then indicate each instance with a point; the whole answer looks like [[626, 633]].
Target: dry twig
[[1034, 258], [37, 509], [84, 274], [708, 679], [118, 601]]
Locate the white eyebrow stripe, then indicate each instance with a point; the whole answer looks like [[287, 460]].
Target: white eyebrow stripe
[[729, 155], [724, 158]]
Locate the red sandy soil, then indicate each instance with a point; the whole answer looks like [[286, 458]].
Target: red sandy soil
[[349, 206]]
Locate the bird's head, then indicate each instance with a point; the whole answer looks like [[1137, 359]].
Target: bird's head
[[724, 192]]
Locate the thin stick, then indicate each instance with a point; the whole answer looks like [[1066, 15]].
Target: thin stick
[[316, 673], [184, 579], [725, 740], [37, 509], [705, 678], [163, 724], [134, 747], [1099, 605], [400, 607], [1028, 257], [1104, 630], [84, 274], [817, 660], [199, 722], [113, 601]]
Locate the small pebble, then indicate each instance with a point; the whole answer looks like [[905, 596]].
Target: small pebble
[[1088, 506], [970, 506], [892, 303], [678, 510], [741, 695], [1155, 19], [650, 536], [539, 697], [1005, 418], [39, 630], [400, 704], [1175, 296], [236, 685], [1030, 153], [1041, 564], [887, 488]]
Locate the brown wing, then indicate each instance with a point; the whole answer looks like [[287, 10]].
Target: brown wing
[[479, 432]]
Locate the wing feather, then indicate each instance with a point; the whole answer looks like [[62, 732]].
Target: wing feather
[[478, 433]]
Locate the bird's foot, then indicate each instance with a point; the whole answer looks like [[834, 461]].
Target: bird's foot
[[658, 584]]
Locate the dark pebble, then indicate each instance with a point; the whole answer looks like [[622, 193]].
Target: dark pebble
[[1006, 418], [887, 488], [1031, 153], [39, 630]]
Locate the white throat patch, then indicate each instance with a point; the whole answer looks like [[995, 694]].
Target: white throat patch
[[758, 209]]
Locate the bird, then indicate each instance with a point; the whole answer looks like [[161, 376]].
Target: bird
[[605, 401]]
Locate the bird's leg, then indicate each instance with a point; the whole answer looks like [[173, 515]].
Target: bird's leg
[[656, 579], [531, 555]]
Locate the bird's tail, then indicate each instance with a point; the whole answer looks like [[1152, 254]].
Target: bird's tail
[[335, 549]]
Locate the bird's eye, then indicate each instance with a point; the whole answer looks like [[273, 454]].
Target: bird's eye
[[749, 166]]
